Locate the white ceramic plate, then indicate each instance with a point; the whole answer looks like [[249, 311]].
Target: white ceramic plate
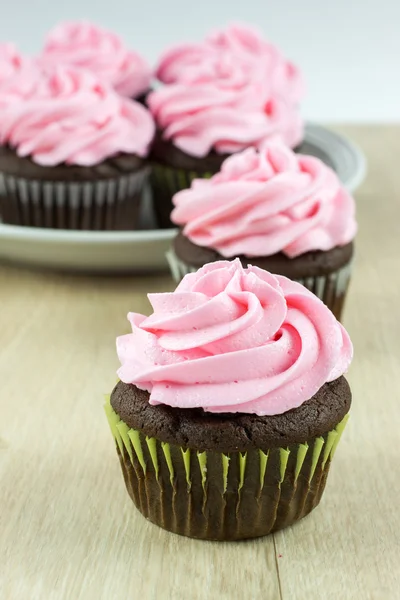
[[144, 251]]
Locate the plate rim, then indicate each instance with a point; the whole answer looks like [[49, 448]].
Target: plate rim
[[73, 236], [351, 148]]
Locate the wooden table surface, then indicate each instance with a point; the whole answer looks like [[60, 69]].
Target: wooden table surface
[[68, 529]]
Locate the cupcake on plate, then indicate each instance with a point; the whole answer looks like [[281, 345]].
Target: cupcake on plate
[[231, 403], [85, 45], [72, 151], [283, 212], [228, 93]]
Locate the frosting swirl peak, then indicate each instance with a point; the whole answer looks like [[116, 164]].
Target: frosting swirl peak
[[85, 45], [232, 91], [234, 340], [231, 58]]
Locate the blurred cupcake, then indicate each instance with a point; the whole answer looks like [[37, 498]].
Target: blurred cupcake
[[85, 45], [231, 92], [72, 151], [283, 212], [231, 403]]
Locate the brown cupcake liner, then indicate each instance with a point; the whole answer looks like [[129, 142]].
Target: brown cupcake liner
[[217, 496], [330, 288], [165, 182], [90, 205]]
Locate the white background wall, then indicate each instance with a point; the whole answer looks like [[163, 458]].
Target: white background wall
[[349, 49]]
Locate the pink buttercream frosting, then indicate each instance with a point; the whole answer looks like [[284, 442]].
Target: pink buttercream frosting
[[265, 202], [231, 59], [200, 118], [11, 61], [85, 45], [231, 339], [232, 91], [20, 85], [65, 115]]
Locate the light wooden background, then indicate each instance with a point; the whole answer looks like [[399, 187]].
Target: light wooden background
[[68, 529]]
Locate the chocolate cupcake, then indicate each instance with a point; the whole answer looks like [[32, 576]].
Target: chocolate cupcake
[[231, 403], [283, 212], [84, 45], [72, 152], [232, 91]]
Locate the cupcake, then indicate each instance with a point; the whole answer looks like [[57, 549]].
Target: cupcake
[[84, 45], [230, 404], [228, 93], [283, 212], [72, 151]]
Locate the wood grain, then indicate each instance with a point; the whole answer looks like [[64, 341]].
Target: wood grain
[[68, 529]]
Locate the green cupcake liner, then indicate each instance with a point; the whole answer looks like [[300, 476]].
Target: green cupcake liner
[[165, 182], [219, 496]]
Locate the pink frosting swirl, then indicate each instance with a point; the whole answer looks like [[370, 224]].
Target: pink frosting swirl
[[20, 85], [265, 202], [232, 91], [85, 45], [231, 59], [67, 116], [11, 61], [203, 117], [234, 340]]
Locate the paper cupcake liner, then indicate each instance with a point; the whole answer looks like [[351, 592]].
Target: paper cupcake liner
[[165, 182], [90, 205], [331, 288], [217, 496]]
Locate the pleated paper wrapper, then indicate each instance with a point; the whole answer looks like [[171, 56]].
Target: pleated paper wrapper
[[217, 496], [109, 204]]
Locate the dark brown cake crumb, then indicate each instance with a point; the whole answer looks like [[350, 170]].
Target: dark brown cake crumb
[[24, 166], [310, 264], [200, 430]]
